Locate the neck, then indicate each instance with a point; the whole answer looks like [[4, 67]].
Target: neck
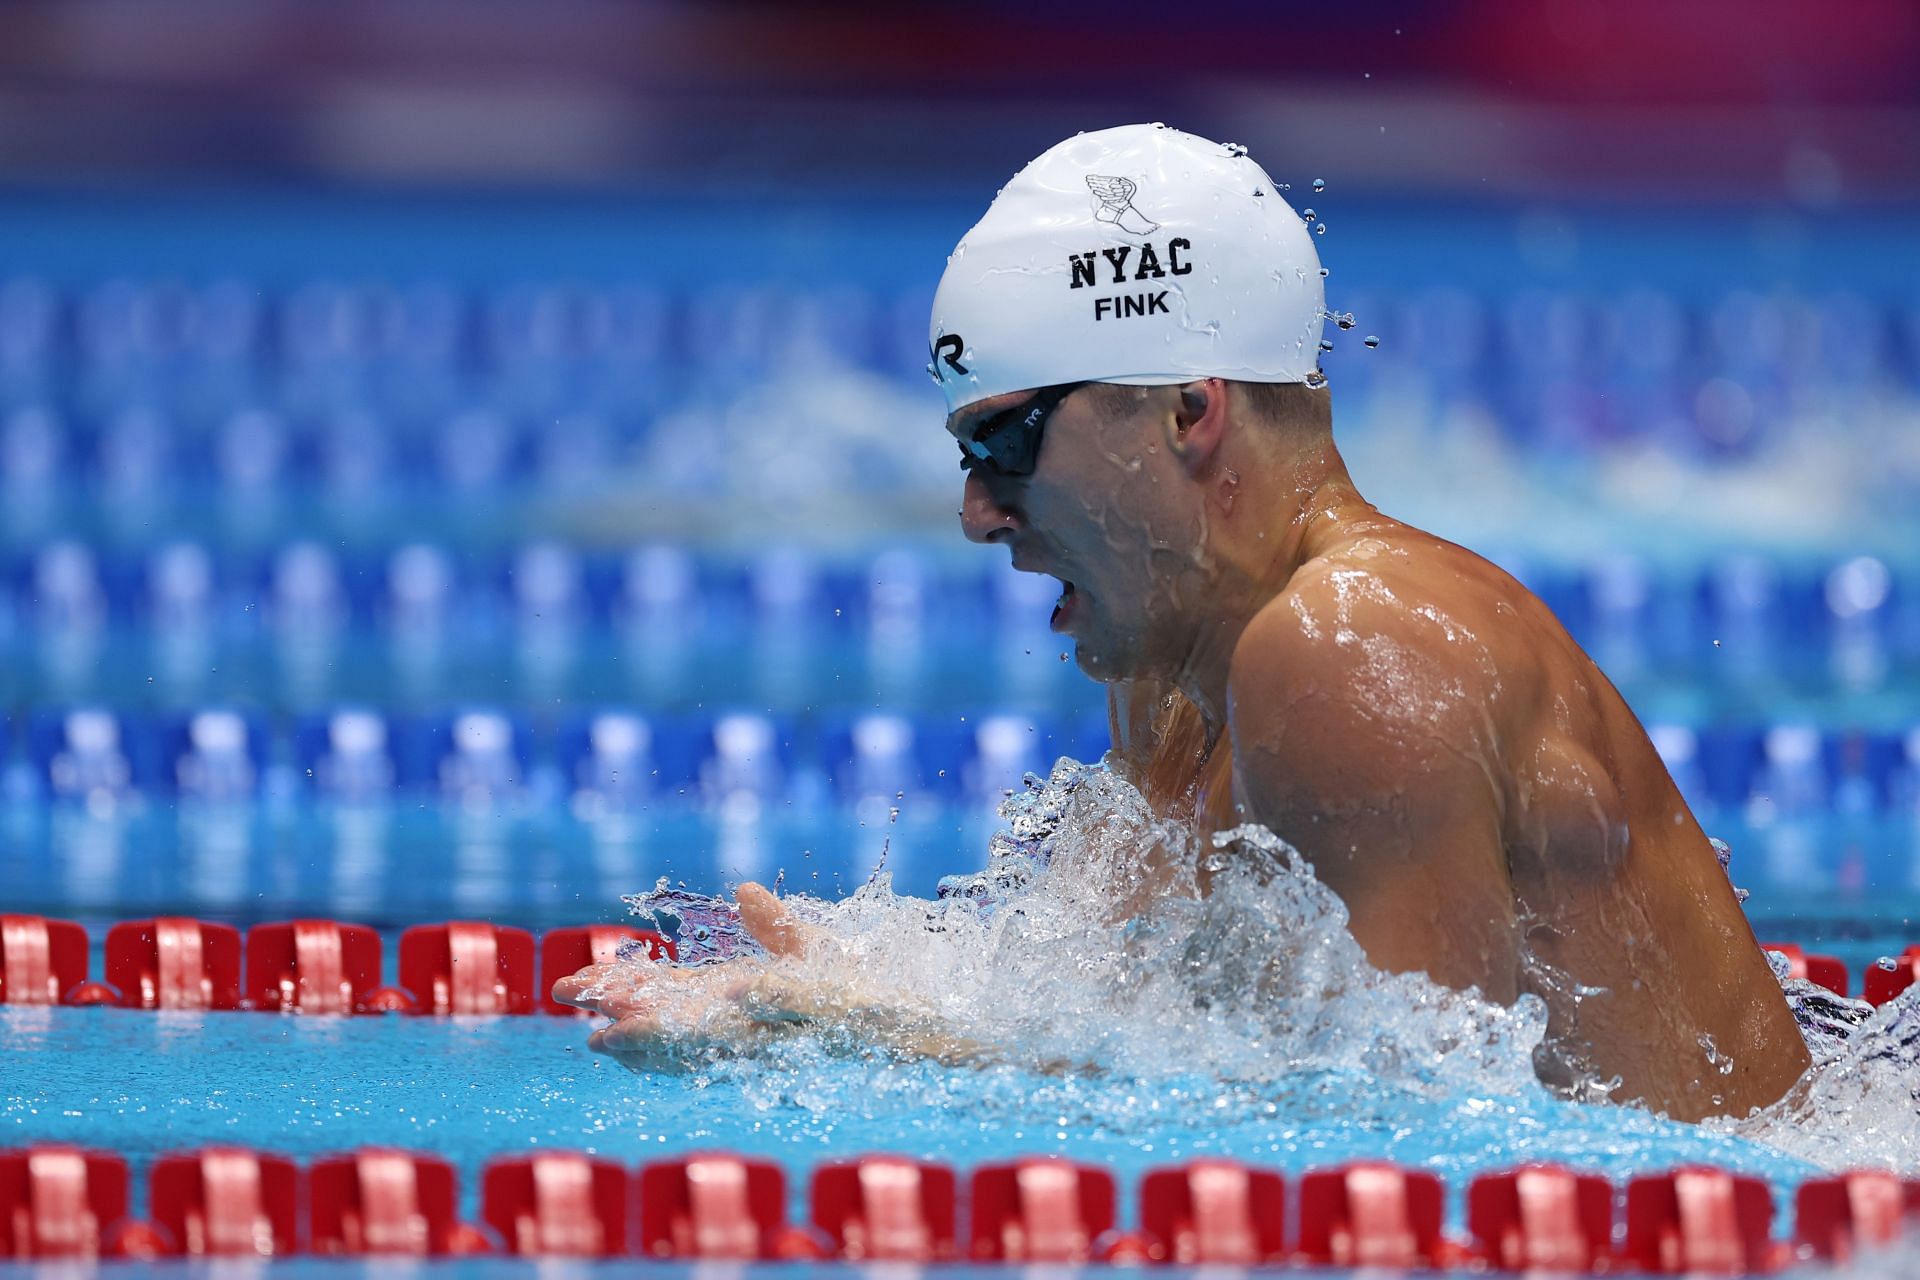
[[1264, 517]]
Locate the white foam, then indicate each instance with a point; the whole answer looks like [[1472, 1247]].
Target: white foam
[[1858, 1106], [1257, 981]]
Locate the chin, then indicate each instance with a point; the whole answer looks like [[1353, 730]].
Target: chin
[[1092, 666], [1104, 661]]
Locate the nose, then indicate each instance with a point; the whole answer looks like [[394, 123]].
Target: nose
[[983, 515]]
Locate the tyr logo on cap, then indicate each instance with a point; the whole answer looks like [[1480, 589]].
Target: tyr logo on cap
[[947, 351], [1115, 205]]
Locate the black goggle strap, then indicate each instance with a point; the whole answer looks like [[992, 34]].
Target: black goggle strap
[[1009, 441]]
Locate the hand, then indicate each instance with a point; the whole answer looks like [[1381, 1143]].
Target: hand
[[668, 1018]]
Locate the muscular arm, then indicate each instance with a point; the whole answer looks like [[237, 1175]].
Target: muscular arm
[[1368, 748]]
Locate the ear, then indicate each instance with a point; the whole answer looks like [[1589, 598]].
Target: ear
[[1199, 424]]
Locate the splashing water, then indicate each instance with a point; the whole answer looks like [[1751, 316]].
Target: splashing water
[[1724, 854], [1257, 980], [706, 930], [1859, 1104], [1246, 1021]]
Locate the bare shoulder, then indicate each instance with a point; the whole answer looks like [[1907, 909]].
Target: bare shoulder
[[1366, 731], [1396, 605]]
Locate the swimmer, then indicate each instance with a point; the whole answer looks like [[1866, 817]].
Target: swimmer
[[1129, 344]]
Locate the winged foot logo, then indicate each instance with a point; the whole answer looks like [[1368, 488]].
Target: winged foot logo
[[1114, 203]]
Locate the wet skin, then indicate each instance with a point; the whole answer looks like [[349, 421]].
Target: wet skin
[[1411, 719], [1405, 714]]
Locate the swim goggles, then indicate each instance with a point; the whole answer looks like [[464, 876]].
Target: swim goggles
[[1008, 443]]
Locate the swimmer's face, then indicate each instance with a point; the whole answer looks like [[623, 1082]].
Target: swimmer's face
[[1103, 510]]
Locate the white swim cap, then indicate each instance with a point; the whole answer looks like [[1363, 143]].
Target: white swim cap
[[1139, 255]]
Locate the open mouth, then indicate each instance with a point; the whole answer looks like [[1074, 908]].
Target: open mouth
[[1063, 607]]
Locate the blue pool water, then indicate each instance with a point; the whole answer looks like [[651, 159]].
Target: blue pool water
[[146, 1084], [1178, 1058]]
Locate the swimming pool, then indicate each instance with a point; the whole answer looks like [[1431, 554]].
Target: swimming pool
[[311, 1087], [1444, 1088], [469, 1090], [307, 613], [365, 803]]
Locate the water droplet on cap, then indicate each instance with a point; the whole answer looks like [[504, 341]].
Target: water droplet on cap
[[1323, 273], [1326, 344], [1319, 228], [1319, 184], [1372, 340], [1315, 378], [1306, 215], [1344, 320]]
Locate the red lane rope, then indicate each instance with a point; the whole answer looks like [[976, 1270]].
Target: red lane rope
[[64, 1202], [312, 967], [461, 967]]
